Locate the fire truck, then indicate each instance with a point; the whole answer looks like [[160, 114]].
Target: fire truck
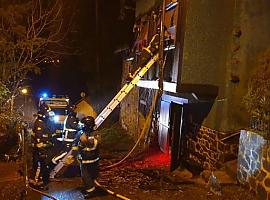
[[58, 105]]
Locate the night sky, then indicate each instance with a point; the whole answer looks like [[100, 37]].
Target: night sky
[[77, 73]]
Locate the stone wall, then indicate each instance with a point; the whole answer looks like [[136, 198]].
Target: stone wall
[[253, 167], [209, 148], [129, 106]]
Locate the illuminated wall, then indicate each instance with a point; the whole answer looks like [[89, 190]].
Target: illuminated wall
[[129, 118], [207, 41], [222, 41]]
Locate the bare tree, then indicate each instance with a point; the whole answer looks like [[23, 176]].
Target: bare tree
[[31, 32]]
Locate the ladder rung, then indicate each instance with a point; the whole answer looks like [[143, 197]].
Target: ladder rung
[[116, 100]]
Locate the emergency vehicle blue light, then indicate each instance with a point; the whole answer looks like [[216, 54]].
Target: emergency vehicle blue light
[[44, 95]]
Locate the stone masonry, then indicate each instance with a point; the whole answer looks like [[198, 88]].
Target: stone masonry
[[209, 150], [253, 167], [129, 106]]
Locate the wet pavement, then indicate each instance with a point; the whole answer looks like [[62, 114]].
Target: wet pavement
[[147, 178], [131, 183], [65, 189]]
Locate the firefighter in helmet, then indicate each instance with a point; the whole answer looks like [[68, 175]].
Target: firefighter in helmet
[[86, 146], [41, 142], [71, 125], [146, 54]]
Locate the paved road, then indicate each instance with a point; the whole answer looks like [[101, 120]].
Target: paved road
[[65, 189], [130, 182]]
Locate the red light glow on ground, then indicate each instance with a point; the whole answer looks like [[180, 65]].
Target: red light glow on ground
[[154, 158]]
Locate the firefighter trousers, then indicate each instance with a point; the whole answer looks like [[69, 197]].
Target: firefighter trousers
[[89, 173], [34, 162], [44, 168]]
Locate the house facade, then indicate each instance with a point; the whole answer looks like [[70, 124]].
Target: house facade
[[211, 49]]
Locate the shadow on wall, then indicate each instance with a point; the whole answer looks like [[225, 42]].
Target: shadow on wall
[[200, 104], [194, 115]]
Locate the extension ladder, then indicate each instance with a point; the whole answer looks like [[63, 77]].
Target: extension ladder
[[110, 107]]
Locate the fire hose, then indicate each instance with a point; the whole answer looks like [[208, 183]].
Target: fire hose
[[146, 126], [111, 192], [143, 132]]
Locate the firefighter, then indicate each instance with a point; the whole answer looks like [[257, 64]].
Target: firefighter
[[35, 162], [71, 128], [51, 125], [146, 55], [71, 125], [41, 145], [86, 146]]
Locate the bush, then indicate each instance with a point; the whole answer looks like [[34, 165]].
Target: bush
[[114, 138], [257, 99]]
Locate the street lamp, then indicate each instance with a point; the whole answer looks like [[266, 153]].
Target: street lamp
[[24, 91]]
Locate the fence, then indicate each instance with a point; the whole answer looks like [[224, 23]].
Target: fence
[[260, 125]]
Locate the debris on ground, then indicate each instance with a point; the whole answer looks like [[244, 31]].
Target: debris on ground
[[144, 177]]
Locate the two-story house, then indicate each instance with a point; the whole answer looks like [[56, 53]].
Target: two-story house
[[211, 48]]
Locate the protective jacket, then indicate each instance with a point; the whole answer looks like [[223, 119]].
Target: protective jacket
[[42, 134], [86, 146], [146, 54], [71, 127], [41, 144]]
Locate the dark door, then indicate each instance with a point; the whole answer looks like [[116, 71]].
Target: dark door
[[176, 139], [185, 121]]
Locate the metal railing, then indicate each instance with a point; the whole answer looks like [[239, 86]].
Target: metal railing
[[260, 125]]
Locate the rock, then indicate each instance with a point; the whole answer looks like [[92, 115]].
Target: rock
[[224, 178], [205, 175], [221, 175], [183, 174], [214, 184]]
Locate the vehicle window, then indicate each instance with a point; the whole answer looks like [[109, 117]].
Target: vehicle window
[[59, 111]]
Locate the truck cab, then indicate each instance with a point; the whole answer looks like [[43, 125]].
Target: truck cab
[[58, 105]]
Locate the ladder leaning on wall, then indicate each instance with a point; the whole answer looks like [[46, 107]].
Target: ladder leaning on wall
[[110, 107]]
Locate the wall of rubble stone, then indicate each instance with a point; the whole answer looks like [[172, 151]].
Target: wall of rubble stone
[[253, 167], [210, 148], [129, 105]]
